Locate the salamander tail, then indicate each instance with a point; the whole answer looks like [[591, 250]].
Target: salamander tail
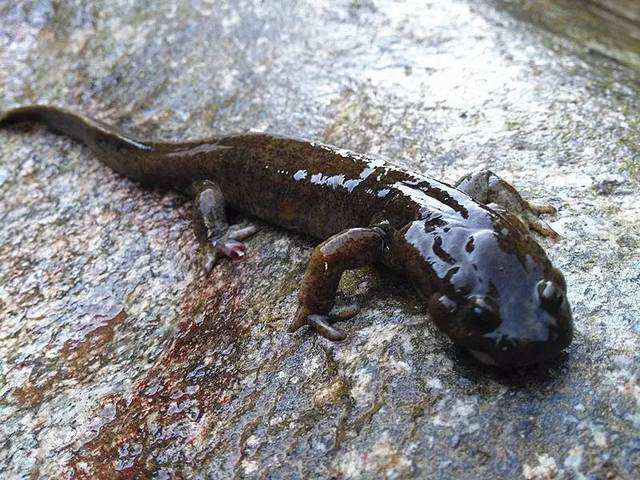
[[78, 127], [19, 115], [128, 156], [152, 163]]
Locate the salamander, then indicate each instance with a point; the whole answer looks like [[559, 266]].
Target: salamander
[[468, 249]]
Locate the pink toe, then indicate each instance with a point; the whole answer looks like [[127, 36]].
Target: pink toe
[[233, 249]]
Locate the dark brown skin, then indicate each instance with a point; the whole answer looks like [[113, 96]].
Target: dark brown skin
[[486, 282]]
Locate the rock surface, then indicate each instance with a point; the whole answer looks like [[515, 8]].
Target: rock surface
[[118, 358]]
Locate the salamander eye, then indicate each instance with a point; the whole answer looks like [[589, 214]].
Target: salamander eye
[[480, 316], [551, 295]]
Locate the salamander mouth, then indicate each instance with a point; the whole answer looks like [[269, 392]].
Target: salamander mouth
[[527, 354]]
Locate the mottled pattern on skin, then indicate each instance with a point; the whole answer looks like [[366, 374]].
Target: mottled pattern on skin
[[444, 86], [488, 285]]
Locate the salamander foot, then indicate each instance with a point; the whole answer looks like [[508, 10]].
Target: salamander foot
[[320, 323], [323, 324], [489, 189], [229, 245], [347, 250], [211, 227]]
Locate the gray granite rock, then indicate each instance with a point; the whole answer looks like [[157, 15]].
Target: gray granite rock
[[118, 357]]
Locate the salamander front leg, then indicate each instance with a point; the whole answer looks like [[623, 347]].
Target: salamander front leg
[[488, 188], [347, 250], [211, 227]]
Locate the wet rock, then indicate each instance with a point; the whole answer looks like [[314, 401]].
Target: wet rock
[[119, 358]]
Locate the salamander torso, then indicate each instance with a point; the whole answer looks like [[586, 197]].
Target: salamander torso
[[486, 282]]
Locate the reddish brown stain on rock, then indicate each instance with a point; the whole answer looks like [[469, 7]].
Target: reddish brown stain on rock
[[166, 411], [83, 353], [78, 359]]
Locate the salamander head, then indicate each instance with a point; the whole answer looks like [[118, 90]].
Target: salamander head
[[492, 290]]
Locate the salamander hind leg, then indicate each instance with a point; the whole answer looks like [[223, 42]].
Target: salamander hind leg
[[347, 250], [211, 227], [487, 188]]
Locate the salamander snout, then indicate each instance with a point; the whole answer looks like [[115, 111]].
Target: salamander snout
[[492, 291], [511, 331]]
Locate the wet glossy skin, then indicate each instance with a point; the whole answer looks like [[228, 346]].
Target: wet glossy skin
[[486, 283]]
